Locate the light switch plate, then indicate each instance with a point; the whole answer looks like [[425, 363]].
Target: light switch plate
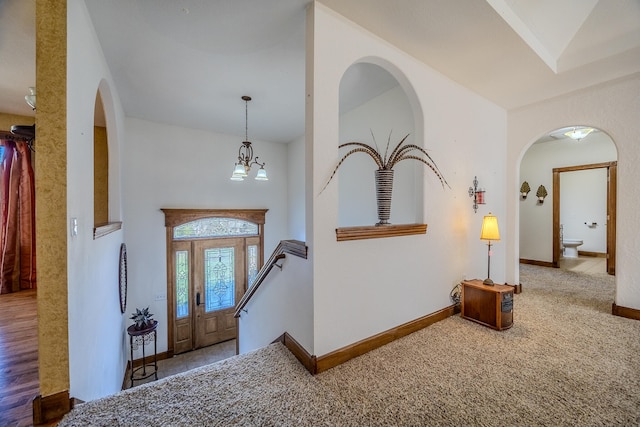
[[74, 227]]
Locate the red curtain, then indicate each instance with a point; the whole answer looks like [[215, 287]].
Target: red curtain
[[17, 214]]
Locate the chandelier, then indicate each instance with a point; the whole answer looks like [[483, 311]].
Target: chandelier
[[245, 154]]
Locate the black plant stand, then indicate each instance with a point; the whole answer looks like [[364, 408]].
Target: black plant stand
[[141, 337]]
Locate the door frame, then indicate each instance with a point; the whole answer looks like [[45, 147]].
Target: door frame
[[176, 217], [612, 184]]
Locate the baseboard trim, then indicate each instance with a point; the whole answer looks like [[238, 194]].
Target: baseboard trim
[[51, 408], [629, 313], [303, 356], [338, 357], [517, 289], [536, 262], [593, 254]]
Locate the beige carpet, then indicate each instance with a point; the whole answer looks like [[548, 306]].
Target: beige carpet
[[566, 361]]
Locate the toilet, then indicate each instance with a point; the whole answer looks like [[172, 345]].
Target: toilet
[[571, 247]]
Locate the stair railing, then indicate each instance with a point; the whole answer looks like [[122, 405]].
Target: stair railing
[[293, 247]]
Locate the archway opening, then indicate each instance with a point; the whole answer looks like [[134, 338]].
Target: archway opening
[[578, 172]]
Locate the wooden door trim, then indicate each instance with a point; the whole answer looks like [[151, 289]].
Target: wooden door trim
[[175, 217], [612, 200], [612, 168]]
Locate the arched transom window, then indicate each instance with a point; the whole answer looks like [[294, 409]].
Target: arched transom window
[[215, 227]]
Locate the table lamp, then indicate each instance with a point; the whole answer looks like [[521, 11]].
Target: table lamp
[[489, 232]]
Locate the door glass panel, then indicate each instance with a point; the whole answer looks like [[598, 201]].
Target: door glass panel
[[252, 264], [182, 284], [215, 227], [219, 278]]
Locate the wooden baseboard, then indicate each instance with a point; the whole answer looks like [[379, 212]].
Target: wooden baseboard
[[592, 254], [51, 408], [303, 356], [344, 354], [630, 313], [536, 262], [517, 289]]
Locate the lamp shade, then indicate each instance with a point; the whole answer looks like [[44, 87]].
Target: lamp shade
[[239, 172], [261, 175], [490, 229]]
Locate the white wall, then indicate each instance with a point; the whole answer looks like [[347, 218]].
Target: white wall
[[97, 351], [361, 288], [613, 108], [536, 220], [296, 167], [173, 167], [283, 303]]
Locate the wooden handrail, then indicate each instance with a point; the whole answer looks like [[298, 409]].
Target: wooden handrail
[[293, 247]]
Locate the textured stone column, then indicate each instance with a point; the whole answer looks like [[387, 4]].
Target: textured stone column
[[51, 195]]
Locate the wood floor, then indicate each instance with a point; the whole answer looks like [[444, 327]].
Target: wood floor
[[18, 358]]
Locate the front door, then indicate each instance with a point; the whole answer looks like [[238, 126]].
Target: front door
[[218, 285], [209, 278], [213, 256]]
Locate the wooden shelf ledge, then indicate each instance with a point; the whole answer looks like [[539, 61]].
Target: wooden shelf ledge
[[104, 229], [379, 231]]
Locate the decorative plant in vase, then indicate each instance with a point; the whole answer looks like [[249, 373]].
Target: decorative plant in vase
[[385, 164], [142, 318]]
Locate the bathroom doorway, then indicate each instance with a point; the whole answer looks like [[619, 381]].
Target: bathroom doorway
[[611, 184]]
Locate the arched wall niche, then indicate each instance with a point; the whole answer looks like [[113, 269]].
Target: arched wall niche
[[378, 105], [106, 164], [100, 166]]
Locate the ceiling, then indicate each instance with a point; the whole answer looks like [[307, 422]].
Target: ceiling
[[188, 62]]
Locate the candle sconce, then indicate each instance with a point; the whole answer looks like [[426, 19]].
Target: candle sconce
[[477, 193], [524, 190], [541, 194]]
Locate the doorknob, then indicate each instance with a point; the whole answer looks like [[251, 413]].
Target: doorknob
[[198, 299]]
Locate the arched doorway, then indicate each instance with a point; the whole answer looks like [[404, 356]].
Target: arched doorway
[[539, 220]]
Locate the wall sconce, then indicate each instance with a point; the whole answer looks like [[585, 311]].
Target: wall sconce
[[31, 98], [477, 194], [541, 194], [524, 190]]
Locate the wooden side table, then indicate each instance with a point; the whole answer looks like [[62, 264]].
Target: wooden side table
[[141, 337], [488, 305]]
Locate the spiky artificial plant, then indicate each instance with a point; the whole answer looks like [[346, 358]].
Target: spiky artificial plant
[[399, 153]]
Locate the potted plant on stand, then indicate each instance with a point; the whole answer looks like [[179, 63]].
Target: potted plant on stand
[[384, 173], [142, 319]]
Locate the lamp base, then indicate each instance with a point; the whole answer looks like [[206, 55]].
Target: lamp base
[[488, 281]]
